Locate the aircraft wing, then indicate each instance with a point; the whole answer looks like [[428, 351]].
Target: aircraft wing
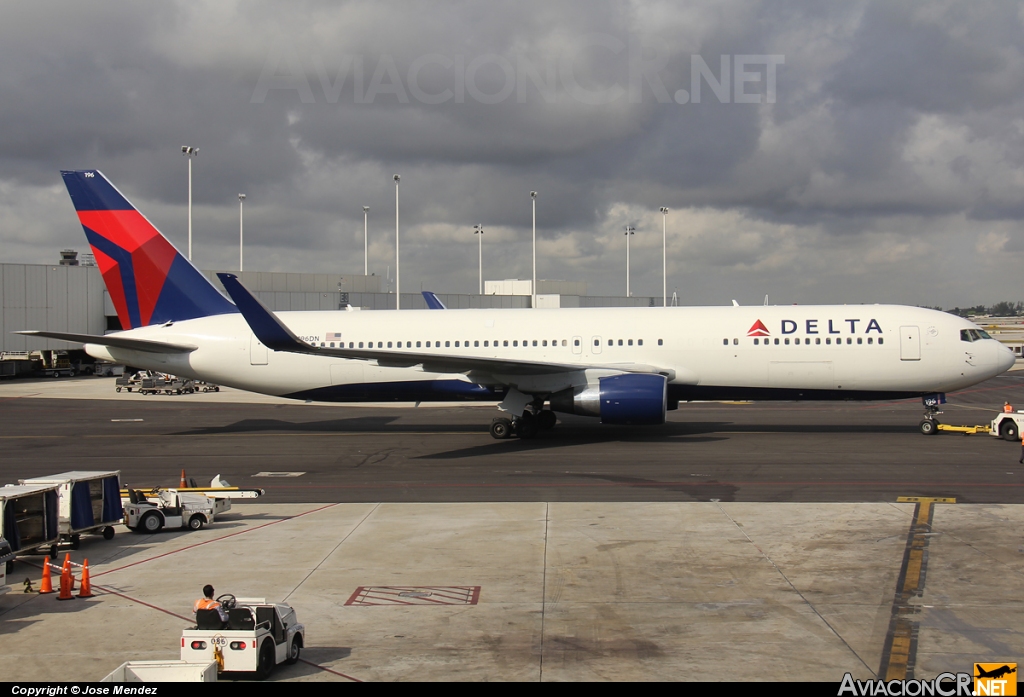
[[116, 341], [274, 334]]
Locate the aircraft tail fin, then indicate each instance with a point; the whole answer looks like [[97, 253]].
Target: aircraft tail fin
[[149, 281], [433, 302]]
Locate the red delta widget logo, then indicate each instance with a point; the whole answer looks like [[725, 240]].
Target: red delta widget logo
[[811, 326]]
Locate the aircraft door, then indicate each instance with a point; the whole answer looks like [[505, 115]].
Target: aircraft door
[[257, 352], [577, 345], [910, 344], [597, 345]]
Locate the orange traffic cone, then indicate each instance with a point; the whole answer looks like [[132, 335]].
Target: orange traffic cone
[[184, 482], [46, 585], [66, 584], [86, 589]]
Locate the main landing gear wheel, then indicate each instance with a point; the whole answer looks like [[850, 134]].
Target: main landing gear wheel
[[526, 426], [546, 420], [501, 429], [929, 427]]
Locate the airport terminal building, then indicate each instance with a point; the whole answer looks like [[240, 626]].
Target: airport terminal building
[[67, 297]]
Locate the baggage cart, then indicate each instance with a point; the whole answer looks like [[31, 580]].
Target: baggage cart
[[89, 502], [6, 562], [29, 518]]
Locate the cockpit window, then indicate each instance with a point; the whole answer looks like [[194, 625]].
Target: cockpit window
[[984, 334], [974, 335], [965, 335]]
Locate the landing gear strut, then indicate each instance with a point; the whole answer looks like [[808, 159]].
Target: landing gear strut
[[930, 423]]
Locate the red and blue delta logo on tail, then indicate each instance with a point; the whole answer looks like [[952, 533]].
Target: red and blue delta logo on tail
[[149, 281]]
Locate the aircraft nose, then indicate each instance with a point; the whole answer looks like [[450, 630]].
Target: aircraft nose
[[1004, 358]]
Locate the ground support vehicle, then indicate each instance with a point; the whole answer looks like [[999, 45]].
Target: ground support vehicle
[[56, 364], [168, 385], [167, 509], [29, 518], [258, 636], [89, 502], [219, 491], [6, 560], [200, 385], [1008, 425], [163, 671]]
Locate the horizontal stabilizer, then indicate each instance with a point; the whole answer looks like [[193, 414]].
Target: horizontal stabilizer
[[115, 341]]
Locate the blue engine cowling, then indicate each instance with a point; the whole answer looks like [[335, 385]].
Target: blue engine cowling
[[630, 398]]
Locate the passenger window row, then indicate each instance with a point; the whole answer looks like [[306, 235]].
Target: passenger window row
[[438, 344], [476, 343], [807, 341], [623, 342]]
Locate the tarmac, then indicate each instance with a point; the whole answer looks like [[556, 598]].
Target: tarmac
[[417, 583]]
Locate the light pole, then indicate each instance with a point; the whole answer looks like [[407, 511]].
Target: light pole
[[189, 152], [398, 287], [629, 231], [533, 286], [366, 243], [241, 233], [479, 230], [664, 263]]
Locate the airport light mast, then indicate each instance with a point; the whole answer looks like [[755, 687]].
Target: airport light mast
[[664, 263], [189, 152], [366, 243], [533, 287], [479, 230], [398, 287], [629, 232], [241, 233]]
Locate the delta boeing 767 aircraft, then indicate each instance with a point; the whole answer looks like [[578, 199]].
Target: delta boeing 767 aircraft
[[622, 365]]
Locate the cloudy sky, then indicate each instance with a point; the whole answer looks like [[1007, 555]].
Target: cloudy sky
[[838, 152]]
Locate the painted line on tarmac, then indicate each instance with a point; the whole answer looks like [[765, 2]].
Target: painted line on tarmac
[[641, 485], [216, 539], [899, 653], [301, 434]]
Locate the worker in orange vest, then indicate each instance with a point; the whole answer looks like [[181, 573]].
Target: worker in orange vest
[[1022, 449], [207, 602], [1007, 408]]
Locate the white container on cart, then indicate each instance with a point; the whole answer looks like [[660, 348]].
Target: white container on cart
[[29, 518], [89, 502], [6, 555]]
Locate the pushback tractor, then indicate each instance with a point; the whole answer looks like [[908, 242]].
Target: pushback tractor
[[257, 636]]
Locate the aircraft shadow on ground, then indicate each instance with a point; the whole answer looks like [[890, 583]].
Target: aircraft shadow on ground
[[575, 430], [358, 424]]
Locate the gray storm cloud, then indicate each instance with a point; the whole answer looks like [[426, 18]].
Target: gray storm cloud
[[862, 152]]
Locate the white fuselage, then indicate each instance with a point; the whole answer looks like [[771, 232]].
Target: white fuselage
[[837, 351]]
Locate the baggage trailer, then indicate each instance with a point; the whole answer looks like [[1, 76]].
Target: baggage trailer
[[29, 518], [162, 671], [90, 502], [6, 561]]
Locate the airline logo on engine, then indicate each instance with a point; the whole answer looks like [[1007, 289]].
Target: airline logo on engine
[[814, 326]]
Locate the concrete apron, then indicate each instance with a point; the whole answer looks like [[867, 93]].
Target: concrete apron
[[557, 591]]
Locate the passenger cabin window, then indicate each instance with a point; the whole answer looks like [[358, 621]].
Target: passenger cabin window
[[360, 344], [447, 344], [849, 340], [564, 342], [735, 342], [777, 342], [639, 342], [860, 340], [755, 342], [725, 342], [611, 342], [660, 342], [576, 342]]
